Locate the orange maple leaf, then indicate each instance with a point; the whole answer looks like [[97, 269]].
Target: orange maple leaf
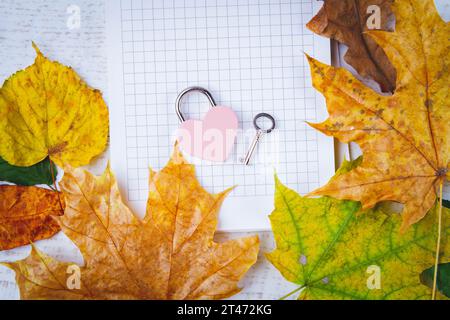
[[169, 255], [405, 138]]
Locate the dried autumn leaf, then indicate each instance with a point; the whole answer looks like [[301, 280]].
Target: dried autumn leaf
[[26, 215], [405, 138], [332, 252], [169, 255], [346, 22], [47, 110]]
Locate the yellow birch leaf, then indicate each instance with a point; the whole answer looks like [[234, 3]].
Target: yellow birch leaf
[[47, 110], [405, 138], [169, 255], [332, 252]]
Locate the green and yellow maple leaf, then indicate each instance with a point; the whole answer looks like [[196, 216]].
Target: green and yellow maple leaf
[[327, 247]]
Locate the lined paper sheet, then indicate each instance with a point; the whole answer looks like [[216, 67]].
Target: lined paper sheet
[[250, 56]]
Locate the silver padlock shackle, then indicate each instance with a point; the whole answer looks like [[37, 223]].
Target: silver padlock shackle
[[186, 91]]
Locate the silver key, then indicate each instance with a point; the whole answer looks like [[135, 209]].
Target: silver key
[[259, 133]]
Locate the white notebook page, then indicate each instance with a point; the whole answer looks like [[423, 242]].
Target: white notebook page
[[250, 56]]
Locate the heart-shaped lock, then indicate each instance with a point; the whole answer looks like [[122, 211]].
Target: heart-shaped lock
[[213, 137]]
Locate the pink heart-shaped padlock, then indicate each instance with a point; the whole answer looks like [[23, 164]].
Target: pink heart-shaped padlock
[[213, 137]]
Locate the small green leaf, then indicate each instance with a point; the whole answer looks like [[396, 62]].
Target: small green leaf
[[443, 278], [39, 173], [446, 203]]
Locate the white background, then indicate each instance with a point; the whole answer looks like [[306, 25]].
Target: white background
[[44, 22]]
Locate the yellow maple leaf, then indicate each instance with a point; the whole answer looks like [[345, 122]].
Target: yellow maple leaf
[[332, 252], [405, 138], [169, 255], [47, 110]]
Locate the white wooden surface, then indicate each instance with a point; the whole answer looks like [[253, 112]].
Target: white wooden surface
[[45, 22]]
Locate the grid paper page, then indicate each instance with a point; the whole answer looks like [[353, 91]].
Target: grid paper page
[[249, 55], [85, 50]]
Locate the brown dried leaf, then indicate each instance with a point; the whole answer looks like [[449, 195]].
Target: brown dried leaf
[[26, 215], [345, 21], [169, 255]]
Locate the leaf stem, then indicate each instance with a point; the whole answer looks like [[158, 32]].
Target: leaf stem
[[54, 184], [438, 244], [350, 155], [292, 292], [338, 64]]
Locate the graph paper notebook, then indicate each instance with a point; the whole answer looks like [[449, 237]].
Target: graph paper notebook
[[250, 56]]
